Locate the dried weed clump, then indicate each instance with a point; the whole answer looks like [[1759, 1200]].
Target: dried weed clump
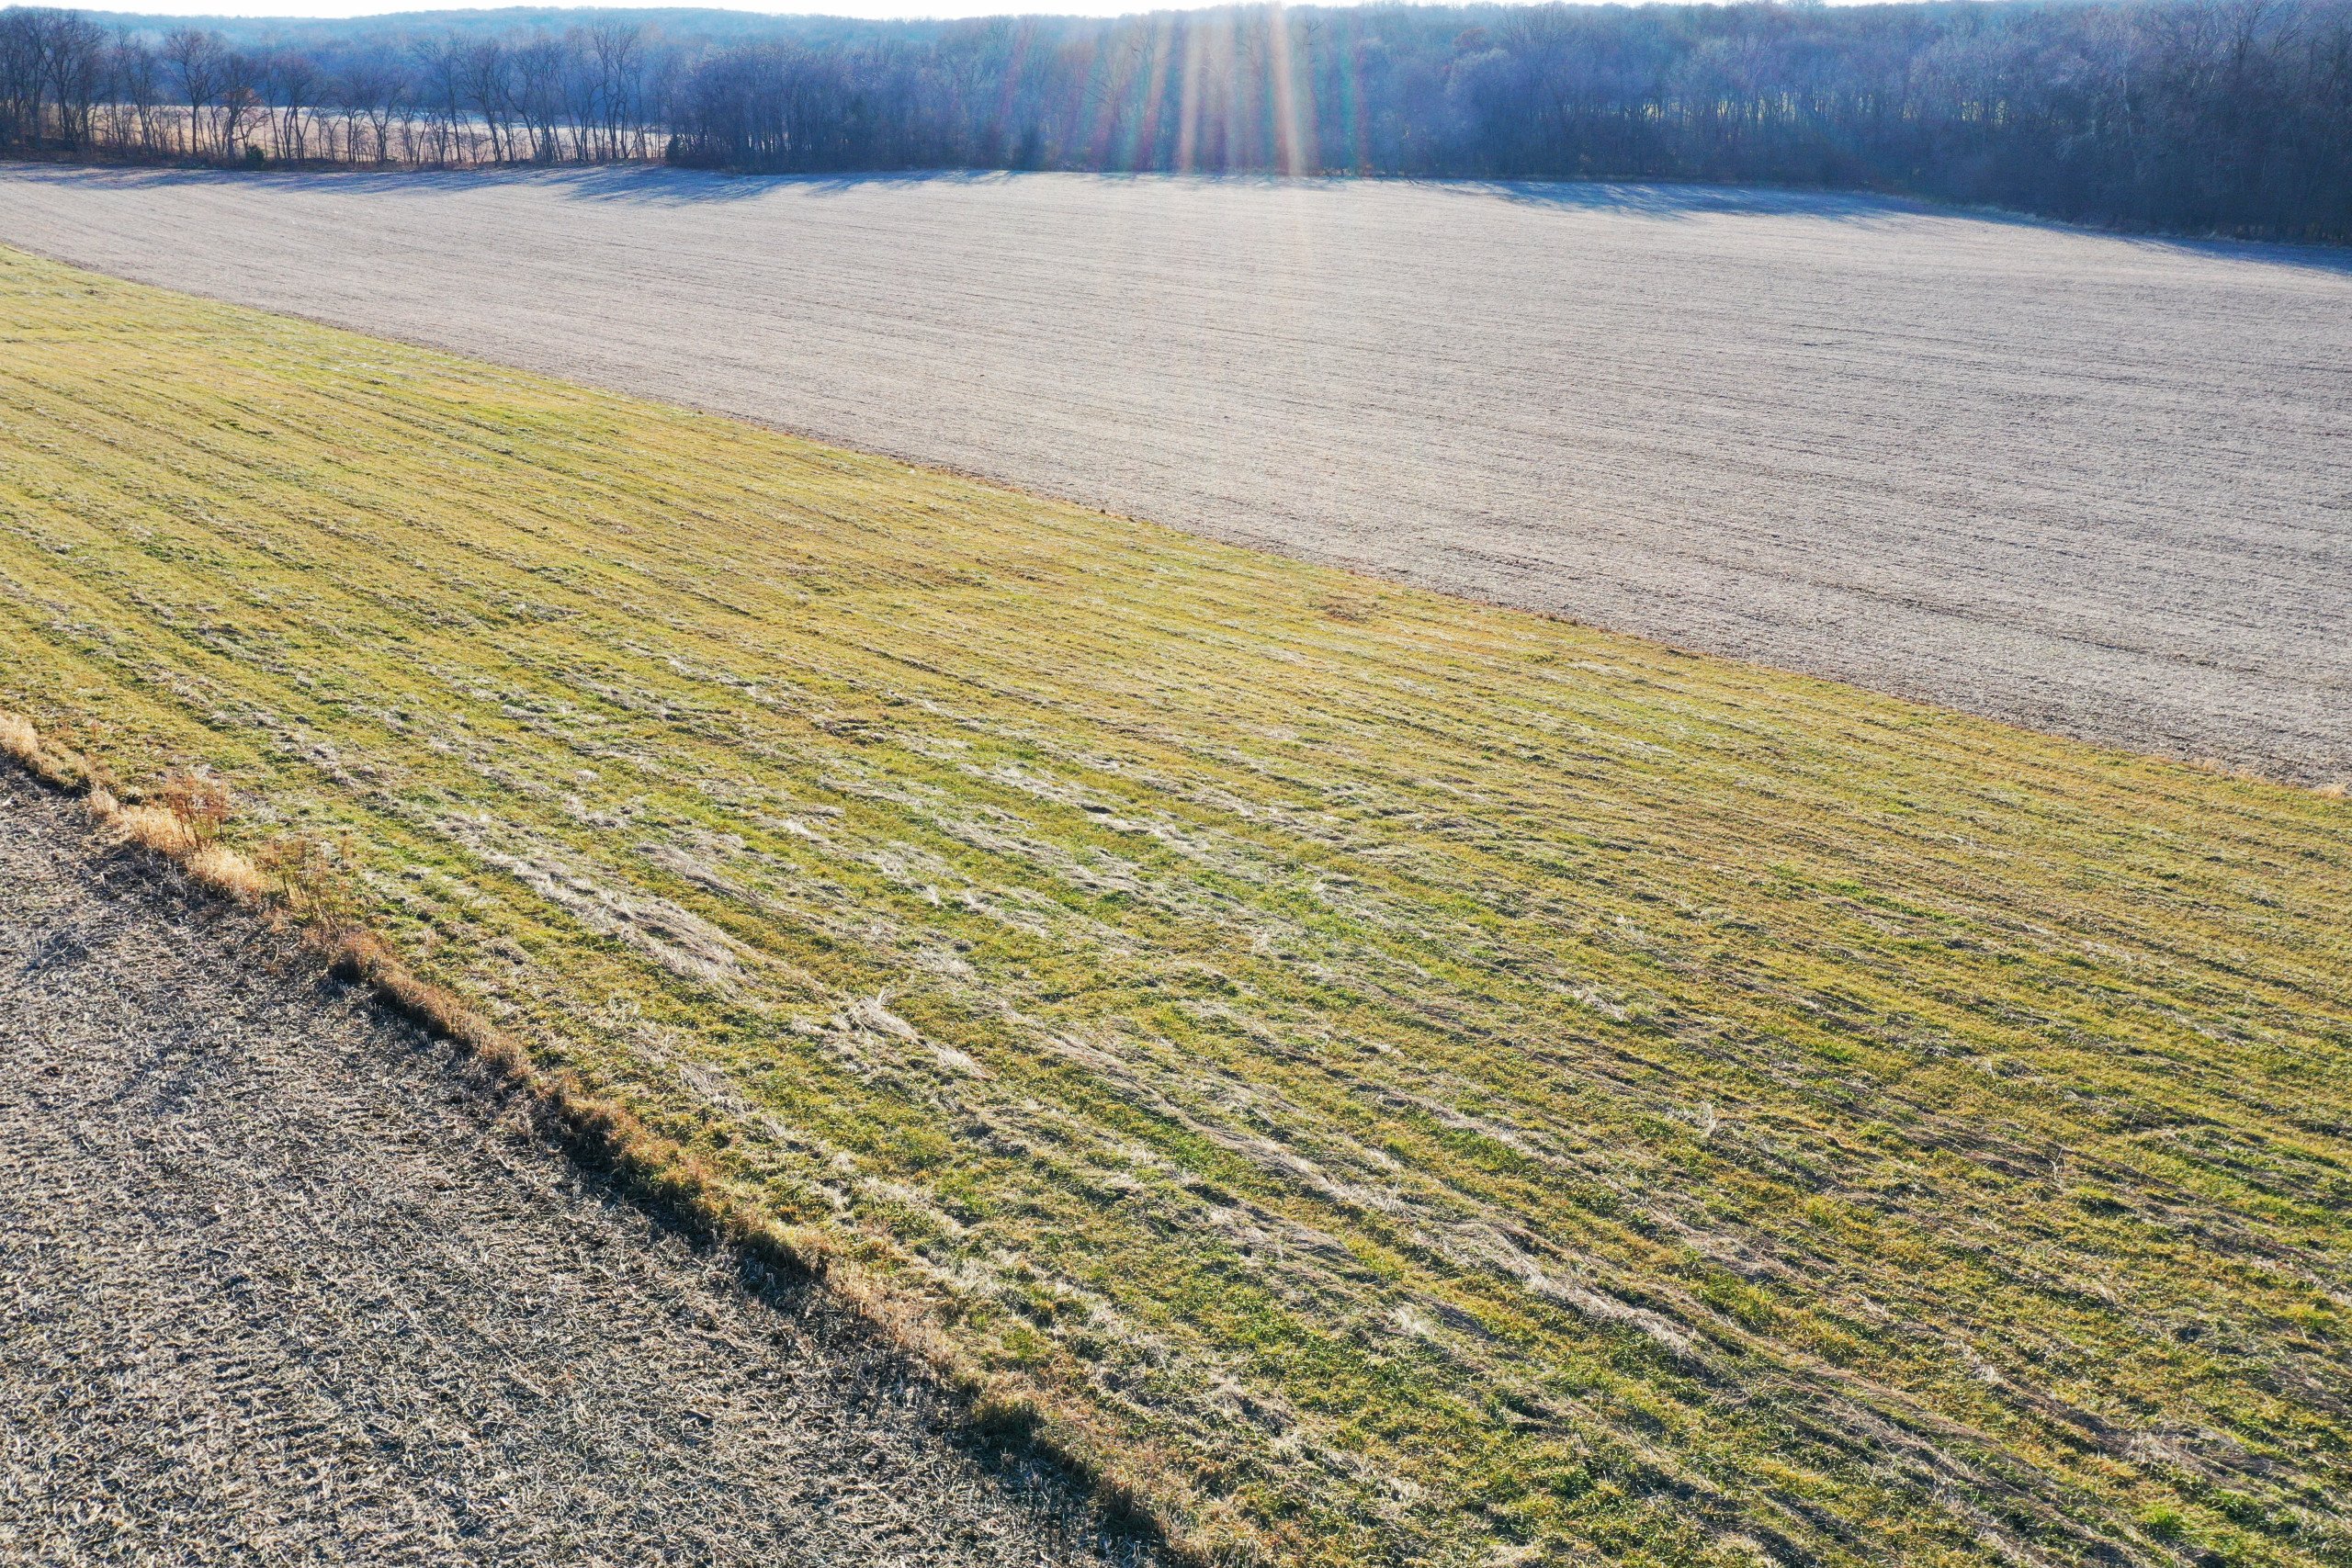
[[182, 823], [199, 801], [59, 766], [154, 828], [225, 871], [18, 739]]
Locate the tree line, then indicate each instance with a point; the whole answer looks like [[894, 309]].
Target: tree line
[[2202, 116], [68, 86]]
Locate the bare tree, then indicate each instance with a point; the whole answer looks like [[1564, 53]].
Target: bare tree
[[240, 99], [440, 93], [486, 80], [291, 84], [138, 81], [540, 67], [193, 56], [617, 52], [583, 87], [23, 84], [372, 90], [74, 59]]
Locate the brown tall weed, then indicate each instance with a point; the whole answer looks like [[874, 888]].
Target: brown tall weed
[[302, 871], [201, 803]]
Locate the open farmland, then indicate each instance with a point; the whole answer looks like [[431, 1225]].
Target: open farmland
[[2090, 484], [1395, 1079]]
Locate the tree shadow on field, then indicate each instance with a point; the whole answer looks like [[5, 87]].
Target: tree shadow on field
[[655, 184], [1681, 201], [2261, 252], [370, 182], [610, 182], [651, 186], [664, 186], [1675, 202], [644, 185]]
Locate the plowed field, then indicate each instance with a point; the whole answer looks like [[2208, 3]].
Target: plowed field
[[2090, 484]]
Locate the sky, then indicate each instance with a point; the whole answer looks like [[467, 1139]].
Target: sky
[[779, 7], [863, 8], [866, 8]]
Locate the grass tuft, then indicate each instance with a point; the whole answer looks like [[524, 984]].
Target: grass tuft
[[58, 766], [225, 871], [155, 828], [19, 741]]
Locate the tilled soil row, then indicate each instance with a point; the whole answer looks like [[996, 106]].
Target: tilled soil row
[[282, 1286]]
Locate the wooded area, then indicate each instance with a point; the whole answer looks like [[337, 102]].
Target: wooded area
[[2201, 116]]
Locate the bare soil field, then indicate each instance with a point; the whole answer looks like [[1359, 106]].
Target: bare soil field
[[2090, 484], [279, 1288]]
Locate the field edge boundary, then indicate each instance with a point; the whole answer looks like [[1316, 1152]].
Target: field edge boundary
[[607, 1140], [2332, 782]]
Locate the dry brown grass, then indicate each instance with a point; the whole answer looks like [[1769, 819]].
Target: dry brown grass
[[22, 742], [182, 823], [18, 738], [225, 871], [154, 828]]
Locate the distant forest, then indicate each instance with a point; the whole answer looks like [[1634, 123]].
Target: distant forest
[[2188, 116]]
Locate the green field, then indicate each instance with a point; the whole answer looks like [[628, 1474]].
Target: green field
[[1395, 1081]]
